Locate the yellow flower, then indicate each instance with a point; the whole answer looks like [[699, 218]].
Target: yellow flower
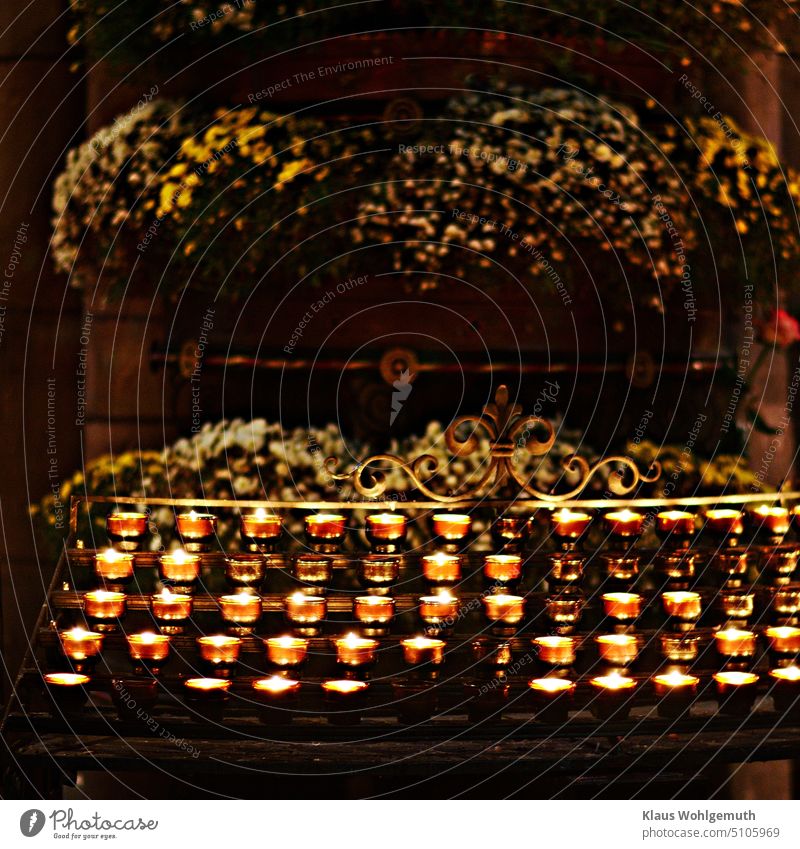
[[291, 170]]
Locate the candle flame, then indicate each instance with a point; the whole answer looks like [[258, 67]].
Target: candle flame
[[723, 513], [275, 684], [179, 557], [287, 642], [624, 515], [344, 686], [260, 514], [676, 679], [736, 678], [675, 515], [78, 633], [148, 638], [66, 679], [614, 681], [207, 683], [617, 639], [680, 596], [787, 673], [423, 642], [783, 631], [567, 515], [769, 510], [219, 640], [554, 641], [551, 685], [733, 634]]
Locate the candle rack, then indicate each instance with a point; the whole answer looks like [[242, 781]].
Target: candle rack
[[445, 660]]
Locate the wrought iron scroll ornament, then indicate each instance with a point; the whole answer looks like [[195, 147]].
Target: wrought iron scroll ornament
[[508, 430]]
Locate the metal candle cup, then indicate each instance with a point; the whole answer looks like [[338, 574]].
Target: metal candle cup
[[786, 602], [564, 611], [510, 532], [346, 700], [617, 649], [737, 605], [286, 652], [423, 650], [502, 568], [196, 529], [442, 569], [325, 527], [277, 697], [81, 647], [485, 702], [623, 607], [219, 652], [416, 700], [305, 612], [374, 611], [127, 527], [67, 691], [677, 525], [676, 692], [621, 566], [679, 648], [354, 651], [179, 569], [783, 640], [171, 610], [551, 698], [781, 563], [612, 696], [623, 524], [315, 571], [103, 608], [386, 528], [724, 522], [492, 654], [245, 569], [784, 685], [735, 643], [566, 567], [379, 572], [772, 520], [260, 527], [114, 567], [453, 527], [241, 611], [207, 696], [677, 566], [148, 651], [554, 650], [504, 609], [569, 525], [682, 605], [736, 691], [439, 611]]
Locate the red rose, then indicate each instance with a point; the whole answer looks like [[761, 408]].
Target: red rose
[[780, 329]]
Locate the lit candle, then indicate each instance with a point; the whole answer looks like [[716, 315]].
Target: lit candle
[[506, 609], [419, 650], [618, 649], [171, 607], [179, 567], [207, 696], [623, 607], [114, 566], [683, 605], [314, 570], [675, 691], [785, 688], [148, 646], [734, 642], [245, 569], [555, 650], [328, 527], [442, 568], [355, 651], [210, 686], [304, 610], [736, 691], [784, 639], [612, 695], [67, 680], [79, 644], [502, 568], [241, 609], [67, 690], [278, 698], [126, 526], [196, 526], [551, 698], [569, 524], [346, 700], [104, 605], [623, 523], [452, 527], [724, 522], [386, 527], [260, 526], [438, 609], [675, 523], [219, 649], [771, 518], [374, 610], [286, 652]]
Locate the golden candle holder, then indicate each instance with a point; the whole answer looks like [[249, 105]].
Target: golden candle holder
[[682, 606], [148, 652], [486, 699], [679, 648], [736, 691], [564, 611], [770, 520], [305, 613], [179, 570], [346, 700], [104, 609], [784, 687], [677, 567], [781, 563], [277, 699], [783, 640], [245, 570], [240, 612], [260, 529], [113, 568], [438, 612], [676, 692], [555, 651], [502, 569], [134, 698], [219, 654], [374, 613], [736, 605], [676, 527], [378, 573], [565, 567], [452, 528], [206, 698], [325, 531], [510, 533], [612, 696], [551, 699], [171, 610], [81, 648], [735, 644], [569, 527], [386, 532], [621, 567], [617, 649], [725, 525], [423, 651], [495, 655], [286, 653], [196, 530], [126, 530], [623, 525], [732, 565], [785, 603], [441, 569], [622, 607], [67, 691], [314, 572], [354, 652], [504, 611], [417, 701]]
